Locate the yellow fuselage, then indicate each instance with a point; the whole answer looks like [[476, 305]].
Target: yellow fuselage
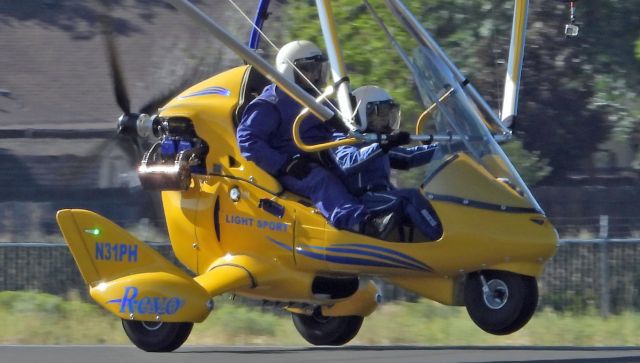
[[487, 225]]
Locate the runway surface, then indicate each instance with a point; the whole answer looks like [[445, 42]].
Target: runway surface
[[369, 354]]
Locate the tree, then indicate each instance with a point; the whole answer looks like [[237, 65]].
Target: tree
[[459, 23], [609, 34], [572, 89]]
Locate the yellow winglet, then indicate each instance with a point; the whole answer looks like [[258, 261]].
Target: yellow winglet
[[104, 251]]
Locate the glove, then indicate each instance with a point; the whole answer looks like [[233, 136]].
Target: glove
[[428, 142], [297, 167], [393, 140]]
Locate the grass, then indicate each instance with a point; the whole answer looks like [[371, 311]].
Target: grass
[[36, 318]]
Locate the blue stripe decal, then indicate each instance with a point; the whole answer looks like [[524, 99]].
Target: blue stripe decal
[[209, 91], [345, 260], [373, 254], [285, 246], [387, 250]]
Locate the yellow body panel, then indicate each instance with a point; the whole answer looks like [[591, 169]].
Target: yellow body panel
[[154, 296], [496, 166], [256, 277], [362, 303], [464, 178], [444, 290], [182, 207]]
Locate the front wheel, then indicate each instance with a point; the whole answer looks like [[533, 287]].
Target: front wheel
[[327, 330], [500, 302], [157, 336]]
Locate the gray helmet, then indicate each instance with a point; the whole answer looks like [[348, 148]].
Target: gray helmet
[[377, 110], [302, 62]]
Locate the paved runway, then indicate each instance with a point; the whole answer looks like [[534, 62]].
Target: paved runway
[[369, 354]]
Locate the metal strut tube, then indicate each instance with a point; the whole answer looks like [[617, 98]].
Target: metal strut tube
[[414, 27], [514, 66], [258, 21], [336, 61], [253, 59]]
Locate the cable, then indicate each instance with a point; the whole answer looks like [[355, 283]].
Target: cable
[[335, 109]]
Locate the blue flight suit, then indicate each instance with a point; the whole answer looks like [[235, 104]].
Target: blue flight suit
[[265, 137], [366, 170]]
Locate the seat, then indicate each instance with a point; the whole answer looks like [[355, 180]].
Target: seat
[[252, 85], [253, 82]]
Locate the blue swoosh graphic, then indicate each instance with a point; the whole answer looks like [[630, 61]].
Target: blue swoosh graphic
[[387, 250], [348, 260], [373, 254], [209, 91], [345, 260], [285, 246]]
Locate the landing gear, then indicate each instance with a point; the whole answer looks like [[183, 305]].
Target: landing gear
[[157, 336], [500, 302], [327, 330]]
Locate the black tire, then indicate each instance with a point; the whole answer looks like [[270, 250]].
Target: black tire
[[157, 336], [324, 330], [508, 305]]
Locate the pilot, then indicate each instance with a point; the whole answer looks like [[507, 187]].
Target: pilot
[[366, 168], [265, 137]]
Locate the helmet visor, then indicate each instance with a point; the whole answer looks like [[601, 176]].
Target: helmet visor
[[383, 116], [311, 71]]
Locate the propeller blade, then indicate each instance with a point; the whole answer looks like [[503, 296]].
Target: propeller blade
[[105, 148], [163, 98], [119, 88]]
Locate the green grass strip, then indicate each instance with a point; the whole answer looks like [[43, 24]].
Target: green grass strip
[[37, 318]]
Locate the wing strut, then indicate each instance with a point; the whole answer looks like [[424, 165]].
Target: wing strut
[[514, 65], [252, 58]]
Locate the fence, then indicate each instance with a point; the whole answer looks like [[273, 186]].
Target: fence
[[48, 267], [597, 274], [585, 275]]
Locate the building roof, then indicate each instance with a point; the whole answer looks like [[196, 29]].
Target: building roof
[[55, 73]]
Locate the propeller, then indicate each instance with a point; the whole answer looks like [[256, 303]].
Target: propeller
[[119, 88], [163, 97], [132, 127], [128, 122], [137, 124]]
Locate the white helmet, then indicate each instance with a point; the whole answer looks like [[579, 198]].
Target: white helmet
[[308, 59], [377, 110]]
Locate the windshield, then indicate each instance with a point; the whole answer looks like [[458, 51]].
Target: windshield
[[455, 120]]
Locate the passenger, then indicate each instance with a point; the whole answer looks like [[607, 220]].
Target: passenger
[[367, 167], [265, 137]]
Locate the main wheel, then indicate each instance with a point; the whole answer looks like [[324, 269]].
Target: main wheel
[[156, 336], [327, 330], [502, 303]]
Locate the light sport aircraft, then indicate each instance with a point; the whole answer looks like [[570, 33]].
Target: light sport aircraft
[[238, 231]]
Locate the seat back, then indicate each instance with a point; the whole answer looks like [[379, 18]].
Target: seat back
[[252, 85]]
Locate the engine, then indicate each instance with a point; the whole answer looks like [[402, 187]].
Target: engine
[[169, 163]]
